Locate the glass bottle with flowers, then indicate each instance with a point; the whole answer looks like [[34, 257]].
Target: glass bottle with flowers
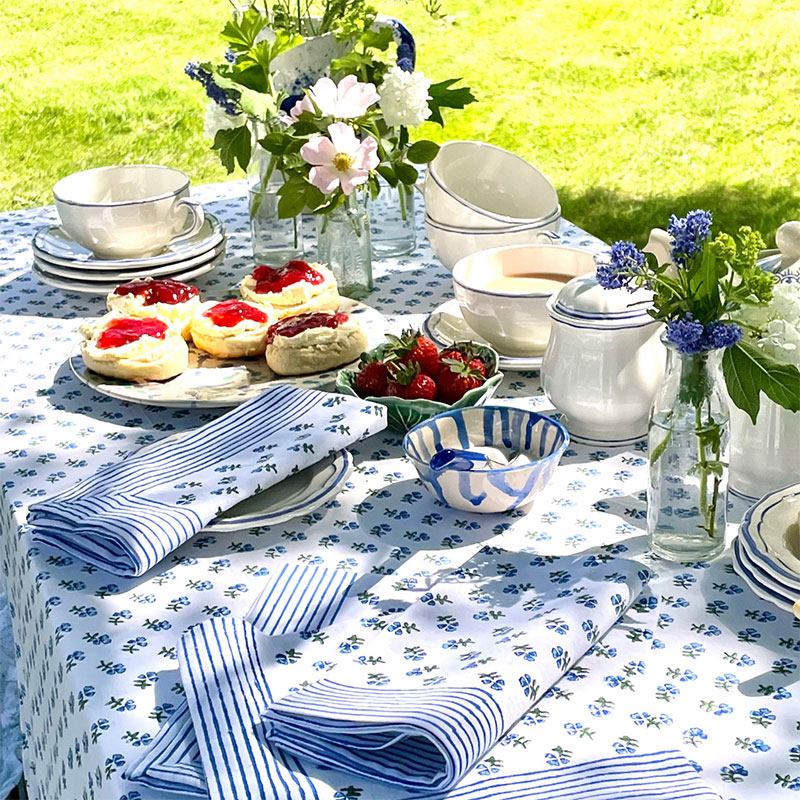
[[696, 295]]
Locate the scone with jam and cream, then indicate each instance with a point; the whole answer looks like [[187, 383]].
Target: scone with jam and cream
[[232, 329], [295, 288], [134, 348], [314, 342], [163, 298]]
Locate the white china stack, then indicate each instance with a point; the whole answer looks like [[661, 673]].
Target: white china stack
[[123, 223], [766, 553], [479, 197]]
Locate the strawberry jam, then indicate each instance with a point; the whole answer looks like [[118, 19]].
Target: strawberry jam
[[159, 291], [291, 326], [276, 279], [124, 331], [232, 312]]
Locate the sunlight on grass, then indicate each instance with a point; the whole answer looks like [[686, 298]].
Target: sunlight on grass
[[635, 111]]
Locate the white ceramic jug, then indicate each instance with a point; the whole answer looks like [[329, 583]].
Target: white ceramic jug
[[604, 361]]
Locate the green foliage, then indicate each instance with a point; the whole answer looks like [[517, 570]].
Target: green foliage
[[234, 145], [422, 152], [444, 96]]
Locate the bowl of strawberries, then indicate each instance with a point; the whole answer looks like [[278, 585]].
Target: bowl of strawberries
[[416, 380]]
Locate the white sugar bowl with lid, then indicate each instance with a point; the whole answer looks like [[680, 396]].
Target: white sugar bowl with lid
[[604, 361]]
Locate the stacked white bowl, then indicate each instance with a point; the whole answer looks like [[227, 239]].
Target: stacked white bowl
[[479, 197]]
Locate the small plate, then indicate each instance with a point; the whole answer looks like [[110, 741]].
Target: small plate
[[757, 583], [301, 493], [213, 383], [52, 242], [95, 276], [81, 287], [446, 325], [767, 529]]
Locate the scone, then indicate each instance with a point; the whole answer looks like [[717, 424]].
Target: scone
[[134, 348], [295, 288], [314, 342], [232, 329], [172, 301]]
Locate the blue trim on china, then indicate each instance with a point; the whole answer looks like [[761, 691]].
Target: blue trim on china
[[607, 442], [534, 226], [748, 575]]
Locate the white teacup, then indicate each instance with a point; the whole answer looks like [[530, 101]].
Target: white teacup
[[128, 211]]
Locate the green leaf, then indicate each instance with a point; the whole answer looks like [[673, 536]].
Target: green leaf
[[749, 371], [251, 77], [704, 287], [292, 197], [442, 96], [387, 173], [314, 197], [275, 143], [406, 173], [241, 33], [234, 145], [422, 152], [378, 39]]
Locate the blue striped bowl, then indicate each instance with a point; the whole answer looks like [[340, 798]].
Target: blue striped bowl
[[495, 490]]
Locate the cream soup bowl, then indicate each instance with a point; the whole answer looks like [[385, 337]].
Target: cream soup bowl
[[515, 324]]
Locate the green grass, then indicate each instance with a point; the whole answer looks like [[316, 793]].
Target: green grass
[[634, 110]]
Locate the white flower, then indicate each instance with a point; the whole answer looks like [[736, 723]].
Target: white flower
[[218, 120], [404, 98], [780, 320]]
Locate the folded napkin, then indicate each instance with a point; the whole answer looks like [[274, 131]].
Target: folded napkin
[[127, 517], [499, 642]]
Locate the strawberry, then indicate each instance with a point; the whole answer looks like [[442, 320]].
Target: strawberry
[[408, 382], [372, 377], [456, 378], [466, 353], [411, 347]]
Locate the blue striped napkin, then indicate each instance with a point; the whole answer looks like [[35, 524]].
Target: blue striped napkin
[[127, 517]]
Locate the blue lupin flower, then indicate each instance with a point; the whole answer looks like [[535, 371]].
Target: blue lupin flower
[[686, 334], [688, 234], [214, 92], [624, 264], [721, 334]]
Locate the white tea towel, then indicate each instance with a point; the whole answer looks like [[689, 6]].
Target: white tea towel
[[129, 516]]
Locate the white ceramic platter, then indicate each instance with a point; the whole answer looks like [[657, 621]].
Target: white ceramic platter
[[446, 325], [214, 383], [85, 287], [756, 581], [301, 493], [54, 244], [769, 530], [78, 273]]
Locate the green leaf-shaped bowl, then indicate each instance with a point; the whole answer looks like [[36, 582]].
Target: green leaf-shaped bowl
[[405, 414]]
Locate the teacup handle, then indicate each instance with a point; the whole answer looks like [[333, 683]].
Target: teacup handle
[[198, 216]]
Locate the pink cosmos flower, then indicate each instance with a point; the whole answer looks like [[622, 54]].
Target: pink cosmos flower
[[341, 160], [348, 100]]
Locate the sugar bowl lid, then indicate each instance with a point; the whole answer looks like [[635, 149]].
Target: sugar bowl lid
[[584, 299]]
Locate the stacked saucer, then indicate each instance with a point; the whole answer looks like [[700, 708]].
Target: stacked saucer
[[60, 261], [766, 554]]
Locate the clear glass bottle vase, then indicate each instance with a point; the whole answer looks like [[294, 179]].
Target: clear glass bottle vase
[[688, 444], [344, 244], [393, 226]]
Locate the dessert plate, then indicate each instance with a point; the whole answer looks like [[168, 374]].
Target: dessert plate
[[54, 244], [84, 287], [750, 575], [301, 493], [770, 533], [96, 276], [446, 325], [217, 383]]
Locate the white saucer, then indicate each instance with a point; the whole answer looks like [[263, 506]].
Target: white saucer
[[446, 325], [95, 276], [55, 245], [765, 529], [84, 287], [214, 383], [301, 493]]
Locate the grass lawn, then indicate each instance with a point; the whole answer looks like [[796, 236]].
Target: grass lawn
[[634, 109]]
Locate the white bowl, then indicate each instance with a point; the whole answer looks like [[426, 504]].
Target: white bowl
[[553, 217], [473, 184], [452, 244], [128, 211], [515, 324]]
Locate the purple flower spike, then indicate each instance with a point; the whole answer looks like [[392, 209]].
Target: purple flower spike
[[688, 234], [624, 264]]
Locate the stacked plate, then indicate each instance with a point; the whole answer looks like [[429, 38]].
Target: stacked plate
[[60, 261], [766, 554]]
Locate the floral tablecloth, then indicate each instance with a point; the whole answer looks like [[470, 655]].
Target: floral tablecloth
[[700, 663]]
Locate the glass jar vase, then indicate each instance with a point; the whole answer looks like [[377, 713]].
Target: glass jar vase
[[688, 443], [344, 244], [274, 240], [392, 221]]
